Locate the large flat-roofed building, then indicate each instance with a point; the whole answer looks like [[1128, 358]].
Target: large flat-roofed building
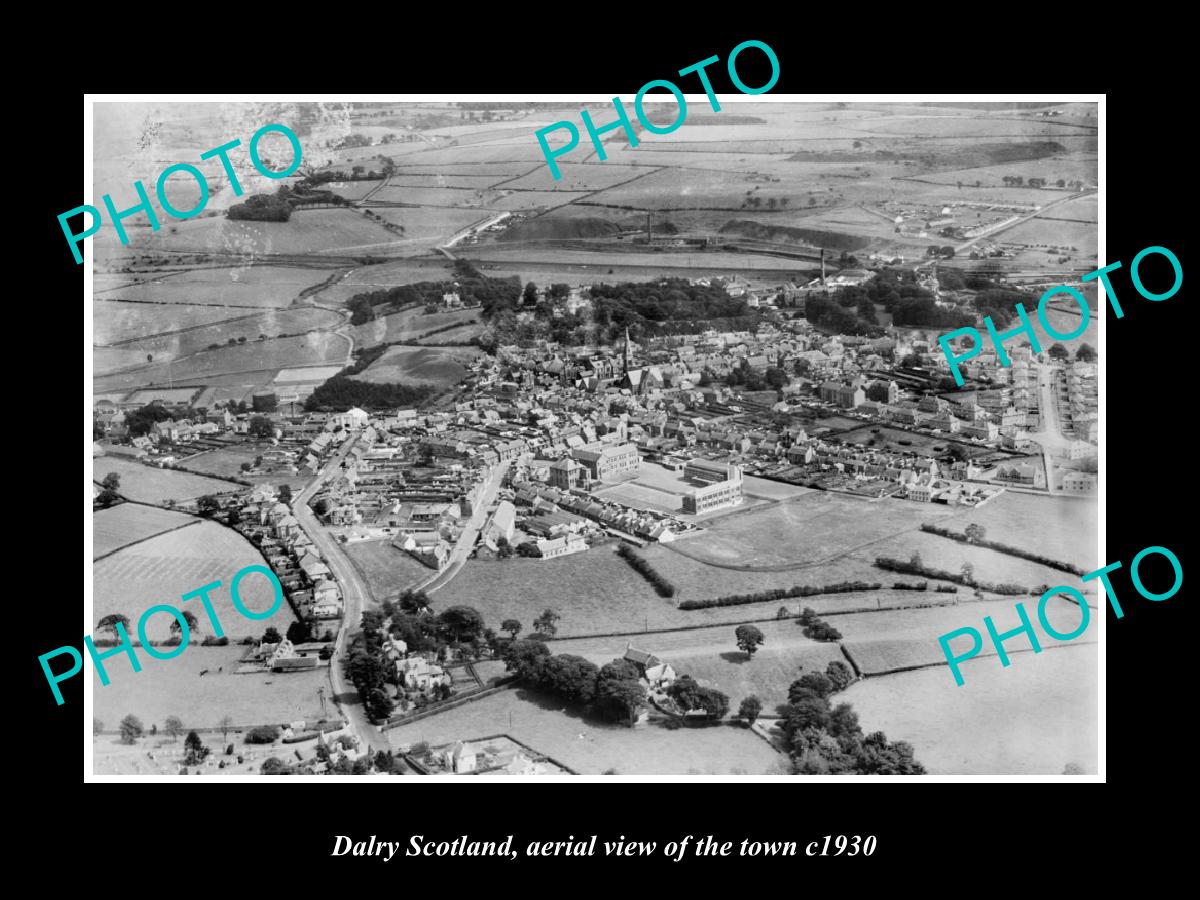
[[722, 486], [611, 462]]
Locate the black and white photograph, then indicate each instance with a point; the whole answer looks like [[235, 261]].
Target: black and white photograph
[[551, 439]]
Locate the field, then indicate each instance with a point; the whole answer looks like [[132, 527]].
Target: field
[[250, 287], [175, 687], [386, 570], [254, 362], [601, 260], [422, 365], [179, 343], [1063, 528], [147, 484], [163, 568], [591, 747], [891, 438], [127, 523], [310, 231], [576, 177], [409, 325], [427, 227], [1032, 718]]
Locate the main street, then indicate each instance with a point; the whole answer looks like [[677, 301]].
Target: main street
[[470, 533], [355, 594]]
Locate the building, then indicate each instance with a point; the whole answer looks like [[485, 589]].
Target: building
[[722, 486], [847, 396], [567, 474], [564, 545], [652, 669], [610, 463]]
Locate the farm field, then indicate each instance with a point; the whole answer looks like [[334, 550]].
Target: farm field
[[409, 324], [434, 196], [593, 747], [163, 568], [254, 362], [576, 177], [175, 687], [431, 180], [119, 321], [427, 227], [146, 484], [251, 286], [352, 190], [127, 523], [1053, 232], [273, 323], [425, 365], [523, 200], [1071, 167], [601, 260], [1032, 718], [500, 170], [387, 571], [1066, 530], [308, 231]]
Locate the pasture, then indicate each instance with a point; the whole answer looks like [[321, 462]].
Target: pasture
[[148, 484], [386, 570], [439, 366], [250, 287], [163, 568], [592, 747], [128, 523], [410, 324], [175, 687], [1032, 718]]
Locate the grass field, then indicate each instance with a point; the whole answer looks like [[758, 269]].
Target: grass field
[[591, 747], [409, 324], [891, 438], [441, 366], [1032, 718], [175, 687], [163, 568], [240, 286], [237, 326], [129, 522], [387, 571], [147, 484], [1063, 528], [601, 261]]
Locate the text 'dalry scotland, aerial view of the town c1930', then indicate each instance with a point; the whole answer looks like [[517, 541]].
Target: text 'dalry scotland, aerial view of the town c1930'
[[656, 468]]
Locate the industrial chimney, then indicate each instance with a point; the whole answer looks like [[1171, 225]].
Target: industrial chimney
[[822, 267]]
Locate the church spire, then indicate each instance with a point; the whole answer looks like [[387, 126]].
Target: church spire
[[625, 353]]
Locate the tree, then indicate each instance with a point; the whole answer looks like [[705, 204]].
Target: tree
[[97, 726], [299, 632], [226, 725], [915, 559], [818, 683], [877, 391], [840, 674], [276, 766], [193, 623], [545, 623], [207, 505], [131, 729], [975, 533], [503, 548], [285, 494], [529, 549], [620, 698], [1073, 769], [112, 481], [748, 639], [530, 295], [1059, 352], [968, 573], [271, 636], [110, 623], [526, 658], [775, 378], [414, 601], [261, 427], [463, 622], [263, 734], [196, 751], [512, 626], [571, 677], [750, 709], [173, 727], [1085, 353]]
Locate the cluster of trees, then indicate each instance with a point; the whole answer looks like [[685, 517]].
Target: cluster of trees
[[275, 207], [827, 740], [613, 691], [817, 628], [141, 420], [108, 490], [369, 670], [798, 590], [966, 576], [840, 313], [666, 307], [743, 375], [341, 392], [661, 586], [977, 534], [946, 252], [690, 696], [901, 586], [1085, 353]]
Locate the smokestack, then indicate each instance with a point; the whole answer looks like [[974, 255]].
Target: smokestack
[[822, 267], [649, 234]]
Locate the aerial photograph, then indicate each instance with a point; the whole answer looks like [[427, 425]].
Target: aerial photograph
[[449, 467]]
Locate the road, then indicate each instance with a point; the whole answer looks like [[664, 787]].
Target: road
[[466, 540], [1050, 436], [356, 594]]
